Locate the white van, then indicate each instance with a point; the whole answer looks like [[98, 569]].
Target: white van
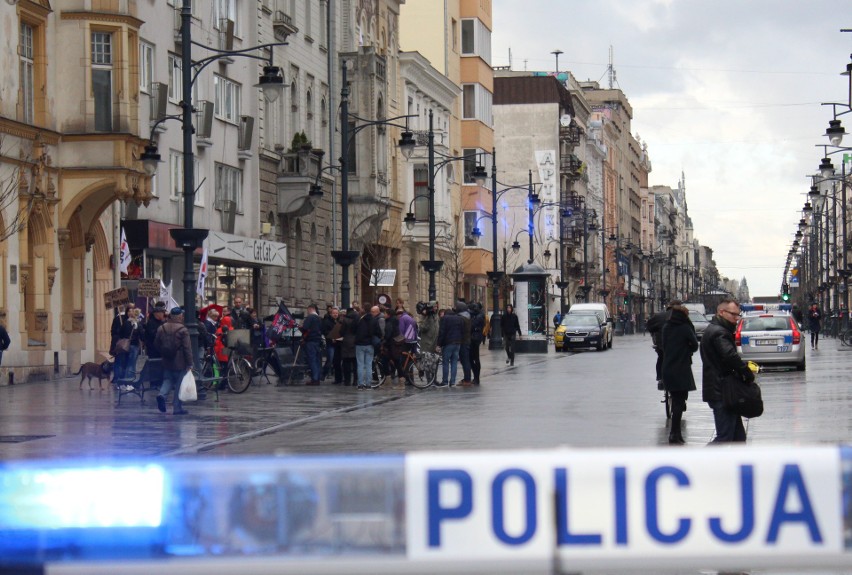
[[699, 307], [601, 310]]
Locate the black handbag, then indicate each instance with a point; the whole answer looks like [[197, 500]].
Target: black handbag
[[741, 397]]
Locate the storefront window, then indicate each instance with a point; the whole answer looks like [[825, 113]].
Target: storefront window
[[224, 283]]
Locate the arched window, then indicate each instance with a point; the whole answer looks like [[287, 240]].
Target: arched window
[[324, 123], [309, 114], [313, 262], [298, 288], [381, 140], [294, 108]]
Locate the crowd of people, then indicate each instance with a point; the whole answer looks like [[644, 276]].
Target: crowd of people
[[355, 337], [341, 345]]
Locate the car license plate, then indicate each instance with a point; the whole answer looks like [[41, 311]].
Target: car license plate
[[783, 348], [766, 342], [576, 339]]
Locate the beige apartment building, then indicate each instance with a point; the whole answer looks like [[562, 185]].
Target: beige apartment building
[[456, 39]]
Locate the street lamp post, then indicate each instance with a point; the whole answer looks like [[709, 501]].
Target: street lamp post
[[190, 238], [433, 265], [495, 275], [345, 257]]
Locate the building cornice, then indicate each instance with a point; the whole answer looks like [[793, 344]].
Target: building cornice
[[28, 131], [127, 19], [418, 71], [40, 7]]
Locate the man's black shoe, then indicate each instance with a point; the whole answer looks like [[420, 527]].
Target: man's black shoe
[[161, 403], [441, 384]]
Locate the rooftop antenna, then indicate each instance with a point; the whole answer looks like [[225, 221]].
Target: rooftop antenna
[[611, 70], [556, 53], [525, 64], [510, 57]]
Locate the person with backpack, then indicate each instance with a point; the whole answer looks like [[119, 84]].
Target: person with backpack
[[403, 343], [176, 349]]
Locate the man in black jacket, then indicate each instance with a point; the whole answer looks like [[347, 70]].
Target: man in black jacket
[[450, 336], [655, 328], [719, 356], [312, 340], [367, 337], [510, 326]]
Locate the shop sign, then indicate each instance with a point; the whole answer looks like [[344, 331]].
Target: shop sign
[[241, 249]]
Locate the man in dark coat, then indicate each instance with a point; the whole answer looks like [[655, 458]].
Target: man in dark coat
[[679, 343], [814, 324], [450, 336], [510, 326], [477, 336], [5, 340], [174, 332], [655, 328], [312, 340], [719, 357]]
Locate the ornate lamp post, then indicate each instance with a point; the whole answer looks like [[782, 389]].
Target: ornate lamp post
[[190, 238], [433, 265]]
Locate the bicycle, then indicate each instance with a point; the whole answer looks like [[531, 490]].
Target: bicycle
[[420, 369], [236, 373], [845, 337], [667, 401]]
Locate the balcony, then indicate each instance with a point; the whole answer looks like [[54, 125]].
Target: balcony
[[282, 26], [297, 172], [571, 165]]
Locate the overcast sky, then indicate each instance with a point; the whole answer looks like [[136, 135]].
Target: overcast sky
[[727, 92]]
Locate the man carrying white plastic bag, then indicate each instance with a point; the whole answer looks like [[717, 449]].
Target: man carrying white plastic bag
[[176, 348], [188, 391]]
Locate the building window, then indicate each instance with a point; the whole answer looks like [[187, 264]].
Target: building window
[[323, 19], [146, 66], [226, 105], [175, 79], [470, 163], [225, 10], [229, 185], [421, 193], [469, 223], [476, 103], [102, 80], [476, 39], [176, 174], [308, 20], [27, 73]]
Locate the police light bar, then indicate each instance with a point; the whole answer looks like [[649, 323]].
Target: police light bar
[[532, 511]]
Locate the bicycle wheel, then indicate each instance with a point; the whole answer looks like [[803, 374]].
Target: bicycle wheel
[[239, 374], [425, 373], [846, 337], [667, 400], [379, 374], [205, 376]]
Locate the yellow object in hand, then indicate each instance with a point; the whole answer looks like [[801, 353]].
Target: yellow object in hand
[[753, 367]]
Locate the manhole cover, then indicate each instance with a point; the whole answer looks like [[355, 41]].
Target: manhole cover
[[21, 438]]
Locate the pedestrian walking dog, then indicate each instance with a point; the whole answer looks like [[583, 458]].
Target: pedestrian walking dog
[[91, 369]]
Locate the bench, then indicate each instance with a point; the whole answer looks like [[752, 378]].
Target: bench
[[148, 369]]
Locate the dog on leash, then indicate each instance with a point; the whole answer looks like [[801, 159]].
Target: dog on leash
[[91, 369]]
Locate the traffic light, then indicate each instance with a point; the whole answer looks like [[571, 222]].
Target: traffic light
[[785, 293], [626, 300]]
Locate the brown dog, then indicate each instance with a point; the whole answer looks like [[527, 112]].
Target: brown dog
[[90, 370]]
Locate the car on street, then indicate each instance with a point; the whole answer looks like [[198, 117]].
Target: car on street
[[601, 309], [771, 339], [699, 321], [582, 330]]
